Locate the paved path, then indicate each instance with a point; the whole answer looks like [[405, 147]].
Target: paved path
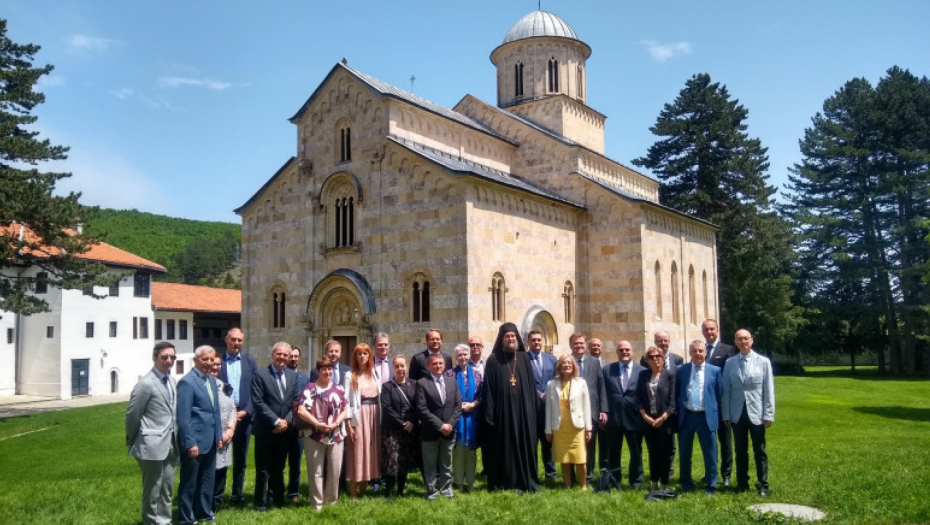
[[13, 406]]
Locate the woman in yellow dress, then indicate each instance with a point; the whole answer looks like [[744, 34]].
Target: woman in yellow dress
[[568, 419]]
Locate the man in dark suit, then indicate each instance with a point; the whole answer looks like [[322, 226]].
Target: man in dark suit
[[439, 406], [150, 421], [699, 386], [662, 340], [623, 419], [333, 350], [543, 370], [589, 369], [274, 391], [718, 353], [199, 435], [418, 364], [294, 453], [237, 371]]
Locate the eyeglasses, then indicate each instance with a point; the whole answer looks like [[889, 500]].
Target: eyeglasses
[[475, 344], [167, 357], [654, 356]]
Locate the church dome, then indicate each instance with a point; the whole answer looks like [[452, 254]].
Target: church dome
[[539, 23]]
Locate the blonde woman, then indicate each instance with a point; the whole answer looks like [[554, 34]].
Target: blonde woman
[[568, 420]]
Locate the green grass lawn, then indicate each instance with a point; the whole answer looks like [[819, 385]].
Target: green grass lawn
[[855, 447]]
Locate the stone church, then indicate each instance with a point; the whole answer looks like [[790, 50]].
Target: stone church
[[398, 215]]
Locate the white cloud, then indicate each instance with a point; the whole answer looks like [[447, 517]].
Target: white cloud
[[663, 52], [157, 101], [123, 93], [207, 83], [91, 44]]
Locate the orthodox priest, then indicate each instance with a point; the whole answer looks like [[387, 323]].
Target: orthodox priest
[[509, 415]]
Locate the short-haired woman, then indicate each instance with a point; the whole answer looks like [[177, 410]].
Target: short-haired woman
[[323, 408]]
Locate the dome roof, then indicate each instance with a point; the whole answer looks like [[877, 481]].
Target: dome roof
[[539, 23]]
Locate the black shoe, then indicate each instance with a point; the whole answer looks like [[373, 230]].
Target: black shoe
[[726, 482], [742, 488], [764, 492], [710, 491]]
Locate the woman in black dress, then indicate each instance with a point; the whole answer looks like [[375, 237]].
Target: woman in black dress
[[400, 445]]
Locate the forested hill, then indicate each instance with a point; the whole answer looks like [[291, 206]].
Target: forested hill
[[194, 252]]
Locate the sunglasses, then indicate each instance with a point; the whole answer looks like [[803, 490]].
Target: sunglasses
[[654, 356], [167, 357]]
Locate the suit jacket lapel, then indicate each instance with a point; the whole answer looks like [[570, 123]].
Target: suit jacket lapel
[[161, 388]]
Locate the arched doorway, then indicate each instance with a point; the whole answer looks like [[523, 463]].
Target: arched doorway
[[539, 319], [340, 308]]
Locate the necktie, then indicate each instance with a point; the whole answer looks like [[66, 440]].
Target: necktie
[[281, 383], [206, 383], [710, 350], [581, 366], [742, 366], [626, 376], [164, 381], [695, 390], [537, 366], [442, 390]]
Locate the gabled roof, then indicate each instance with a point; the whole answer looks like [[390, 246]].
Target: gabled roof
[[265, 186], [384, 89], [564, 140], [459, 166], [191, 298], [636, 198], [100, 252]]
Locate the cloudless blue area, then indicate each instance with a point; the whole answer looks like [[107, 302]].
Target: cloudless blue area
[[180, 108]]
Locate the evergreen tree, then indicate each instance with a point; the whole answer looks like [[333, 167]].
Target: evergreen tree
[[26, 193], [710, 168], [860, 199]]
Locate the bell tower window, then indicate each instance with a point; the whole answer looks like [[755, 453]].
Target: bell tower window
[[518, 79], [553, 75]]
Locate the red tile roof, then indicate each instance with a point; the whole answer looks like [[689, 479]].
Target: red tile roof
[[190, 298], [100, 252]]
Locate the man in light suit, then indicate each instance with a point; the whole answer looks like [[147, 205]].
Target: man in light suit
[[419, 367], [333, 350], [718, 353], [150, 422], [274, 391], [199, 436], [662, 340], [624, 420], [439, 406], [749, 407], [589, 369], [699, 386], [543, 370], [237, 371]]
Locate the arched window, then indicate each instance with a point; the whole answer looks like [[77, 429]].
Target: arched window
[[553, 75], [420, 300], [580, 82], [658, 281], [498, 291], [345, 221], [114, 382], [707, 314], [692, 295], [676, 292], [345, 143], [518, 79], [568, 299], [277, 303]]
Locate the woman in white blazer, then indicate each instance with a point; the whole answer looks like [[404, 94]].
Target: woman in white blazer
[[568, 419]]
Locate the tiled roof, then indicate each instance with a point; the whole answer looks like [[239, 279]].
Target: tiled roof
[[459, 166], [387, 90], [190, 298], [100, 252]]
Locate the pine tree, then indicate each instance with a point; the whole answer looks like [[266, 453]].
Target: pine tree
[[26, 193], [710, 168]]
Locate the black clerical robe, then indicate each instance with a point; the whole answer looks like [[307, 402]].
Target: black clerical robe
[[509, 423]]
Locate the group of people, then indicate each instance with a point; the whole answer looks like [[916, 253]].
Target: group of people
[[380, 417]]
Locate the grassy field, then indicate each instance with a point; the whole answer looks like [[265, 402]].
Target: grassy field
[[856, 447]]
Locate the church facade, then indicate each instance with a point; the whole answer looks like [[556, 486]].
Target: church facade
[[398, 215]]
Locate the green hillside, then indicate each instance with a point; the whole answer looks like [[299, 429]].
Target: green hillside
[[194, 252]]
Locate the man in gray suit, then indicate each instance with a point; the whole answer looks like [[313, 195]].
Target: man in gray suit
[[749, 407], [150, 423]]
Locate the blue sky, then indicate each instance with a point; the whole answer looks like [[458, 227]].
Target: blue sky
[[180, 108]]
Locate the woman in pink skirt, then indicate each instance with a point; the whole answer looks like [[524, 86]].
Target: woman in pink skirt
[[364, 449]]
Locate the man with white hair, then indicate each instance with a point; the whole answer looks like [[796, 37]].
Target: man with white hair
[[274, 391]]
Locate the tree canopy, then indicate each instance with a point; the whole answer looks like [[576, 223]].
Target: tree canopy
[[26, 194], [710, 168]]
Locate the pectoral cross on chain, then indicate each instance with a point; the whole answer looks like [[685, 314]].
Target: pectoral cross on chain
[[513, 380]]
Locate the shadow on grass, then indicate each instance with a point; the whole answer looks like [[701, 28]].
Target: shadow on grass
[[904, 413]]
